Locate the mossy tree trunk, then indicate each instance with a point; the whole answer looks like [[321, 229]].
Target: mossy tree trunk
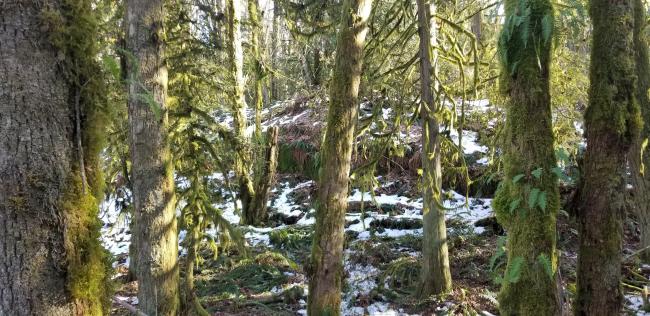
[[275, 47], [612, 122], [336, 154], [527, 200], [258, 67], [640, 155], [238, 106], [152, 173], [266, 178], [436, 276], [191, 300], [51, 260]]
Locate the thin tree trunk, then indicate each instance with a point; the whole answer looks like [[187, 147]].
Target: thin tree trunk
[[258, 68], [327, 249], [640, 155], [266, 179], [477, 28], [527, 201], [193, 306], [275, 93], [612, 122], [46, 221], [152, 173], [238, 104], [436, 276]]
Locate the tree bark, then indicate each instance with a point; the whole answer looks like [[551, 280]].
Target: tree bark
[[527, 202], [43, 212], [477, 29], [152, 169], [612, 123], [640, 155], [436, 276], [336, 153], [258, 68], [238, 106], [274, 91], [266, 178]]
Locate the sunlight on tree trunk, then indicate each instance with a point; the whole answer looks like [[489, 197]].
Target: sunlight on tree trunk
[[336, 153], [152, 169], [238, 104], [258, 67], [436, 276]]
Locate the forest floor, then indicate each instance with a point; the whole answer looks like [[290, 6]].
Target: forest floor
[[382, 252]]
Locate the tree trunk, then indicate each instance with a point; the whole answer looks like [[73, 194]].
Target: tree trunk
[[238, 104], [477, 29], [327, 249], [152, 173], [436, 276], [192, 303], [258, 68], [51, 261], [612, 122], [275, 93], [640, 155], [266, 179], [527, 201]]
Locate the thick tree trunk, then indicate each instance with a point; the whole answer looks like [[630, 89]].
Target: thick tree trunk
[[640, 155], [152, 173], [612, 122], [436, 276], [327, 249], [238, 105], [266, 179], [527, 201], [47, 223]]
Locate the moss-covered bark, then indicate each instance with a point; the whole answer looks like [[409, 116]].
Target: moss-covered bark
[[238, 106], [266, 179], [436, 275], [336, 154], [527, 200], [152, 167], [192, 305], [51, 257], [612, 122], [640, 154], [258, 68]]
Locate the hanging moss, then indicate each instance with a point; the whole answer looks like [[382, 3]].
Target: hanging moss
[[72, 27], [89, 264]]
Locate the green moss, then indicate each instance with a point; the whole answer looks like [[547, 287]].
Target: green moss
[[528, 288], [89, 267], [69, 28]]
